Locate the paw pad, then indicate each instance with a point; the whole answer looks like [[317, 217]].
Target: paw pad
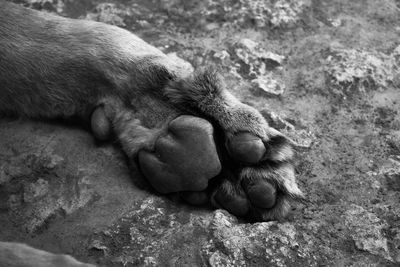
[[262, 194], [184, 159], [246, 148]]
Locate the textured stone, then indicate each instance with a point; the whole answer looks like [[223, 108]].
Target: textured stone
[[361, 69], [260, 64], [366, 231]]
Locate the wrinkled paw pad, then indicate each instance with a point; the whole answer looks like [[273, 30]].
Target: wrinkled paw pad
[[184, 159]]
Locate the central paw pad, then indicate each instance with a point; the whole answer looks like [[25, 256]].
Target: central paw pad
[[184, 159]]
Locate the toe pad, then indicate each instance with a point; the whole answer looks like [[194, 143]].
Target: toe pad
[[261, 194], [246, 148]]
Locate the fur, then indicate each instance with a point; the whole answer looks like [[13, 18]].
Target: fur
[[58, 67]]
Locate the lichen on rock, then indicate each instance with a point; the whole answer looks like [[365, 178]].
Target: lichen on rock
[[366, 231], [261, 66], [360, 69]]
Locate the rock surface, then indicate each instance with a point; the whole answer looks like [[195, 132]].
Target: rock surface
[[330, 69]]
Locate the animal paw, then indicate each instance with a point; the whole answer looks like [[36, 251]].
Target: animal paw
[[258, 177], [257, 180]]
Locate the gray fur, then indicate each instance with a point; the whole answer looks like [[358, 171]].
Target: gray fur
[[58, 67]]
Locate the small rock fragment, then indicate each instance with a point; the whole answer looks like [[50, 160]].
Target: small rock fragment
[[300, 138], [276, 121], [366, 231], [269, 85], [261, 64]]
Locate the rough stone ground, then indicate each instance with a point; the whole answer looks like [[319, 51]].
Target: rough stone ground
[[325, 72]]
